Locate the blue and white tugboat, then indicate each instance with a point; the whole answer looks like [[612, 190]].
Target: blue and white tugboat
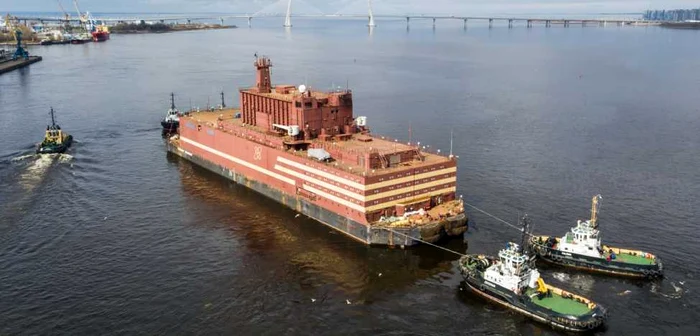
[[171, 122], [512, 280], [581, 248]]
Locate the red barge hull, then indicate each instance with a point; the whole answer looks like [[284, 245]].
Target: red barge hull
[[377, 235]]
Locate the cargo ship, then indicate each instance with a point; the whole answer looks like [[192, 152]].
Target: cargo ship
[[101, 33], [306, 150], [581, 248]]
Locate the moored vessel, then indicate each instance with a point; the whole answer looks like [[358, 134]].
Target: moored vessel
[[581, 248], [171, 122], [80, 38], [512, 281], [55, 139], [101, 33], [305, 149]]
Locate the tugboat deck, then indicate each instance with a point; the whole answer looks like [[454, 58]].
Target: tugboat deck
[[559, 304], [632, 259]]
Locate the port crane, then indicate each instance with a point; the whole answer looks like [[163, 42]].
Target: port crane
[[77, 9], [66, 16], [17, 34], [85, 19]]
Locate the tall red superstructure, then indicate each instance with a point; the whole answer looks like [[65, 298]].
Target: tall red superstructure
[[306, 149]]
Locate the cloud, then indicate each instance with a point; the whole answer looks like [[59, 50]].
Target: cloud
[[393, 7]]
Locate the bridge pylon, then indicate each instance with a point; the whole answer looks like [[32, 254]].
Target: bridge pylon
[[371, 15], [288, 17]]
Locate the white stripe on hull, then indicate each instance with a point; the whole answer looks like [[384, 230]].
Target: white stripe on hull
[[335, 198], [327, 175], [318, 182], [239, 161]]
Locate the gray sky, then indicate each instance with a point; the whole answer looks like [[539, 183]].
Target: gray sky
[[456, 7]]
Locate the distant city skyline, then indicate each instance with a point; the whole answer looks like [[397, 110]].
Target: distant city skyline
[[673, 15], [388, 7]]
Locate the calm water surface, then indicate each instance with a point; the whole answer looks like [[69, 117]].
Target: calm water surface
[[116, 237]]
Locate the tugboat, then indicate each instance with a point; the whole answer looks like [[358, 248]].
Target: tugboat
[[55, 140], [513, 281], [581, 248], [171, 122]]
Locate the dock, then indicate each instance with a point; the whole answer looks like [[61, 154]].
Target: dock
[[9, 65]]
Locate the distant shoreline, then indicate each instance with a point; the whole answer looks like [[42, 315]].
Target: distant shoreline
[[681, 25], [159, 28]]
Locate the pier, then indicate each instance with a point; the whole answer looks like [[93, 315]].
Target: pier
[[9, 65], [18, 59]]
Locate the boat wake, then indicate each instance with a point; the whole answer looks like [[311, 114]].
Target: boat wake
[[563, 277], [65, 158], [35, 172], [22, 157], [582, 282], [677, 292]]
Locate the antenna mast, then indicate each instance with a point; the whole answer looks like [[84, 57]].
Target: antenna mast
[[525, 222], [53, 120], [451, 130], [172, 100], [594, 210]]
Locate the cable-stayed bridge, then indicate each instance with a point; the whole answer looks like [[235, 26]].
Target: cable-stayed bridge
[[288, 9]]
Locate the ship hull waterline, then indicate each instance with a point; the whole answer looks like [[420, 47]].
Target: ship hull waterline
[[494, 297], [170, 127], [372, 235], [58, 149], [100, 36], [597, 265]]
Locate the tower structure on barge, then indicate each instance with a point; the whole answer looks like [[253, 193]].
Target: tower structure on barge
[[307, 150]]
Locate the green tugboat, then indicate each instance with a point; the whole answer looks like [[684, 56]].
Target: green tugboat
[[581, 248], [512, 280], [55, 140]]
